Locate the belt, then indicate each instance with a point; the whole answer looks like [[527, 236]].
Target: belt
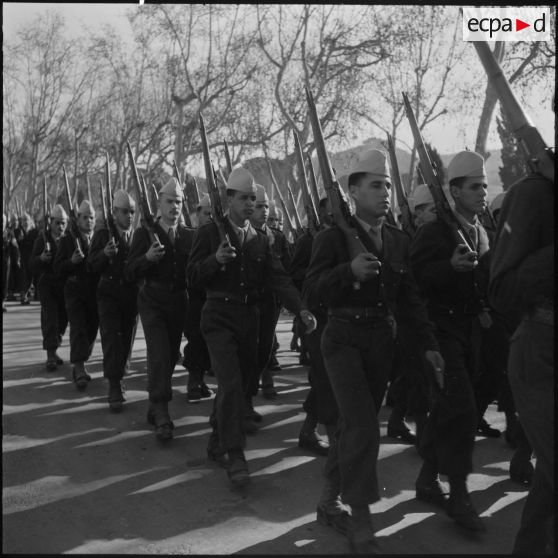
[[116, 279], [462, 309], [360, 313], [542, 315], [166, 285], [248, 299]]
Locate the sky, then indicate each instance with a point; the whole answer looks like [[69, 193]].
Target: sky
[[81, 17]]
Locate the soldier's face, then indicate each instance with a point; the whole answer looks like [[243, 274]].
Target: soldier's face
[[124, 216], [57, 227], [241, 205], [372, 195], [25, 222], [471, 196], [260, 215], [325, 214], [86, 222], [425, 213], [204, 216], [171, 207]]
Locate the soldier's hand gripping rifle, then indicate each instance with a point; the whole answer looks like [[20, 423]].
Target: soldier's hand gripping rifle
[[443, 209], [73, 226], [212, 190], [339, 208], [311, 213], [531, 139], [109, 219], [402, 202], [147, 219], [185, 213]]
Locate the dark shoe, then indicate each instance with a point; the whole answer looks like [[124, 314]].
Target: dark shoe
[[431, 493], [461, 510], [219, 456], [521, 469], [163, 432], [51, 365], [80, 381], [59, 361], [193, 394], [333, 516], [361, 536], [238, 470], [150, 417], [253, 415], [399, 430], [115, 397], [275, 368], [250, 427], [486, 430], [313, 442], [205, 392]]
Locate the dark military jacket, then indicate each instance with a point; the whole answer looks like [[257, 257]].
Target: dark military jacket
[[301, 258], [522, 270], [45, 270], [280, 247], [171, 269], [253, 269], [99, 262], [331, 283]]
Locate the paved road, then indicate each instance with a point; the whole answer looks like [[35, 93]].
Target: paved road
[[77, 479]]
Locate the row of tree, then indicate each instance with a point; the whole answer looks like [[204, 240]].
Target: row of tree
[[66, 100]]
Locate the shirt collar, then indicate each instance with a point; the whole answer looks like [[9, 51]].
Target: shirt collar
[[238, 229], [369, 229], [466, 223]]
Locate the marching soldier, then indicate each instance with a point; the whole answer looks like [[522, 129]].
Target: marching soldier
[[233, 276], [162, 299], [116, 297], [357, 341], [453, 283], [80, 290], [522, 287], [423, 206], [196, 355], [54, 319], [25, 234], [10, 259]]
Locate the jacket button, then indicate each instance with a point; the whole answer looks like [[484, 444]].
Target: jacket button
[[379, 303], [357, 316], [242, 284]]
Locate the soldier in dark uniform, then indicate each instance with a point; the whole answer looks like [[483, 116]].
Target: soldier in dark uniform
[[54, 319], [357, 343], [116, 297], [196, 355], [10, 259], [25, 234], [233, 276], [454, 283], [522, 287], [162, 300], [320, 405], [14, 269], [80, 291]]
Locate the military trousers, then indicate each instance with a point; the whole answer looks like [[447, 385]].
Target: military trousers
[[358, 359], [230, 330], [196, 355], [449, 434], [54, 319], [320, 401], [532, 379], [81, 308], [162, 317], [118, 313]]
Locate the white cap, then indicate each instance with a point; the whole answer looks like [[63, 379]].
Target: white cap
[[58, 212], [497, 202], [421, 195], [204, 202], [372, 161], [171, 188], [86, 208], [241, 180], [123, 200], [466, 164], [261, 194]]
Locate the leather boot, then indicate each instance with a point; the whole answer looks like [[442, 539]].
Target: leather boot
[[331, 511], [428, 487], [51, 365], [460, 508], [163, 423]]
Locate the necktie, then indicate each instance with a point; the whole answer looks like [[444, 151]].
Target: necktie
[[171, 235], [376, 237]]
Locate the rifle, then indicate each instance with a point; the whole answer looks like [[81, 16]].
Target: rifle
[[212, 190], [311, 213], [111, 225], [313, 183], [292, 226], [339, 207], [521, 124], [147, 219], [195, 189], [443, 208], [402, 202], [73, 226], [185, 213], [228, 157], [297, 219], [46, 225]]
